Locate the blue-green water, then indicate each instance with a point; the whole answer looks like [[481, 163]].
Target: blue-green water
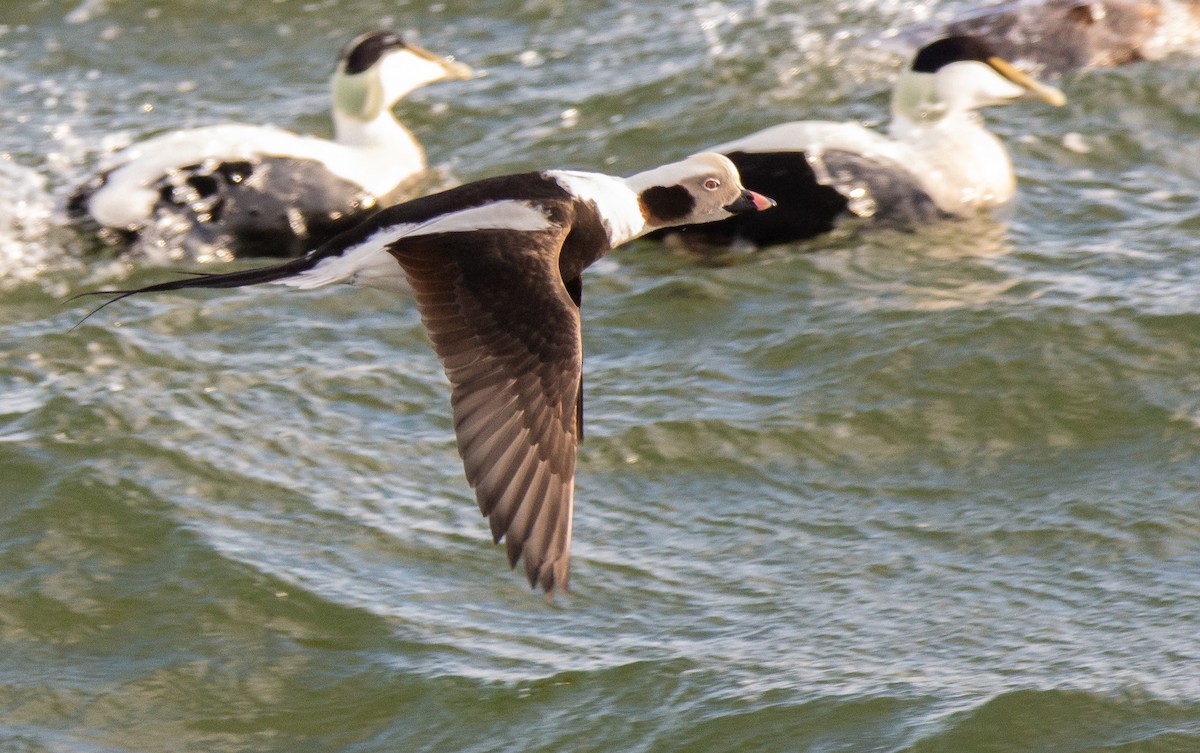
[[933, 493]]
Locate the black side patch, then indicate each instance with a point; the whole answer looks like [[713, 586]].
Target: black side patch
[[364, 51], [804, 207], [663, 205], [273, 207], [901, 202], [943, 52]]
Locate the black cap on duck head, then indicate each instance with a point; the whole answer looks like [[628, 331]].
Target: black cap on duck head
[[936, 55], [957, 49], [365, 50]]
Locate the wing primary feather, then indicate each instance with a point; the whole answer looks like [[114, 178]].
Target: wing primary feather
[[500, 463], [529, 511], [481, 431], [503, 509], [506, 494], [527, 503], [538, 542], [559, 545]]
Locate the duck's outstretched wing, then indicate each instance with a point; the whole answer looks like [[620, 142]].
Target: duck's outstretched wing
[[506, 328], [507, 331]]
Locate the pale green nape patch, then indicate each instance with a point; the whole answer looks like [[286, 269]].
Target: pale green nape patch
[[915, 97], [358, 95]]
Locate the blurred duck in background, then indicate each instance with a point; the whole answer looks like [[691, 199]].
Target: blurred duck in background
[[235, 190], [1054, 37], [938, 161]]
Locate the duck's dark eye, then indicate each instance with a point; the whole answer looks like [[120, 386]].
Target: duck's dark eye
[[712, 184]]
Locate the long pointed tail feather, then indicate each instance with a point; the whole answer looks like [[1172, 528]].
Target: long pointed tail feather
[[254, 276]]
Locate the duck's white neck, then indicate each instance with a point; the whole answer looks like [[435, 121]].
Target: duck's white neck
[[970, 167], [915, 100], [967, 123], [382, 130], [363, 102], [615, 201]]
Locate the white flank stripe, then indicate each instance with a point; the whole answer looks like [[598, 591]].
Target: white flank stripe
[[369, 264], [358, 265], [616, 202], [509, 214]]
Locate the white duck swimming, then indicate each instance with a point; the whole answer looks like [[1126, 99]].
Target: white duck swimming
[[233, 190], [938, 160]]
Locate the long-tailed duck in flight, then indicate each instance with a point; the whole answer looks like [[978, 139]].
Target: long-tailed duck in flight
[[236, 190], [496, 269], [939, 161]]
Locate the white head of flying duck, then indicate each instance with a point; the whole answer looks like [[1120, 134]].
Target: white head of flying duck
[[939, 160], [495, 267], [248, 190]]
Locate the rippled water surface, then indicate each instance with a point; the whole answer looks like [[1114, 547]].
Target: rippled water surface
[[914, 493]]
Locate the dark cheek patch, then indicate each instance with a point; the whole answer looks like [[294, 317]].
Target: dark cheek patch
[[662, 204]]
